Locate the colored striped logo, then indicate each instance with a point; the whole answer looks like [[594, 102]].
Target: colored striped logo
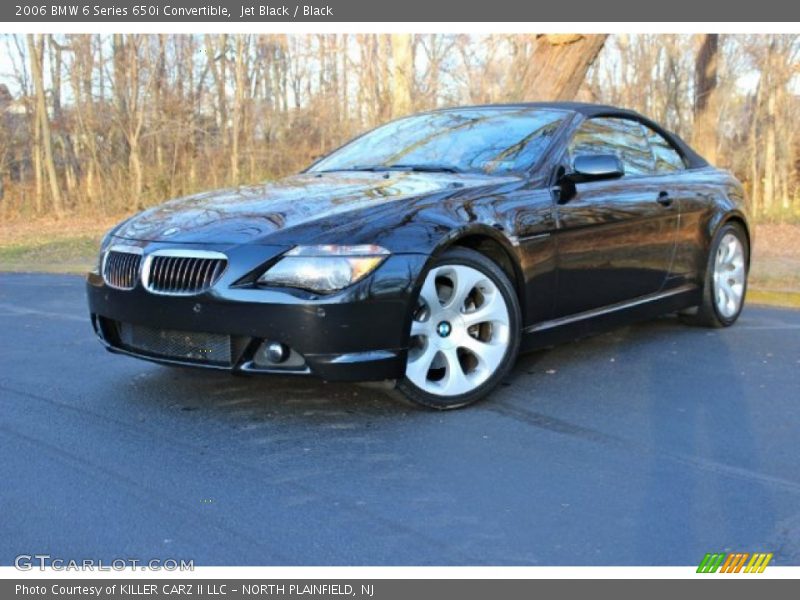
[[735, 562]]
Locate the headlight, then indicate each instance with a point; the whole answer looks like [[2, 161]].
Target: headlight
[[325, 268]]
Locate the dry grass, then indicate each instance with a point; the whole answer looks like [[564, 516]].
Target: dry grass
[[776, 258], [20, 232], [61, 246], [778, 240]]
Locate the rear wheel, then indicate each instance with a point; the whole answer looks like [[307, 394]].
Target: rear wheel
[[465, 331], [726, 279]]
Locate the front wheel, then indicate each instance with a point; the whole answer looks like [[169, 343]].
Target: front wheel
[[465, 331], [726, 278]]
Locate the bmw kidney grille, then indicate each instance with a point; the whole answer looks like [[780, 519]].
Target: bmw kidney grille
[[182, 272], [121, 267]]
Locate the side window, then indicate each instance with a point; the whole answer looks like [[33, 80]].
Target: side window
[[622, 137], [667, 158]]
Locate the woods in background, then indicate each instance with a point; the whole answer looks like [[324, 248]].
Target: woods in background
[[115, 123]]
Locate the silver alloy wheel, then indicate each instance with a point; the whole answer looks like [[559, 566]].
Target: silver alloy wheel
[[729, 275], [459, 333]]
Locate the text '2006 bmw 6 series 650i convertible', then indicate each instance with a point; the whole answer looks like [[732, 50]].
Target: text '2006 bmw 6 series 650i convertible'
[[431, 251]]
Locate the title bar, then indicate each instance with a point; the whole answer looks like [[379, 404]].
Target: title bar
[[313, 11]]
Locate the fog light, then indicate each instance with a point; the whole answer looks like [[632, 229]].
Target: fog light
[[276, 352], [275, 356]]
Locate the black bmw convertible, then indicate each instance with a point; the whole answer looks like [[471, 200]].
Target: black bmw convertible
[[431, 251]]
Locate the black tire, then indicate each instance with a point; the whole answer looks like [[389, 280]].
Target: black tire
[[707, 313], [476, 260]]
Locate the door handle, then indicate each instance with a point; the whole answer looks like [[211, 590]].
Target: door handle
[[664, 199]]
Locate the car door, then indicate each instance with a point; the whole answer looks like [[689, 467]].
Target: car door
[[615, 238], [688, 192]]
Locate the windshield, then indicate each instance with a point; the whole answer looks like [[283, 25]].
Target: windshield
[[479, 140]]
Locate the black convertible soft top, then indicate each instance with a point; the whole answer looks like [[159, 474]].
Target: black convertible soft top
[[589, 110]]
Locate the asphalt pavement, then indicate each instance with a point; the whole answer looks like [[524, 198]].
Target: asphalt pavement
[[649, 445]]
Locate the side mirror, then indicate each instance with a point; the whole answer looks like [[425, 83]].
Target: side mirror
[[595, 167]]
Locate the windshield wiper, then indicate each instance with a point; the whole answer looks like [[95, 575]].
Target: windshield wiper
[[426, 168], [356, 168], [422, 168]]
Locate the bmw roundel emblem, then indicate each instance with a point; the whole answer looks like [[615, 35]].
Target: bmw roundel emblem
[[170, 231], [443, 329]]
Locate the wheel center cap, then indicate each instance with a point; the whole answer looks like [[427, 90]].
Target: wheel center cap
[[444, 328]]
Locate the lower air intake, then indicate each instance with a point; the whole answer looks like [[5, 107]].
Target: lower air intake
[[184, 346]]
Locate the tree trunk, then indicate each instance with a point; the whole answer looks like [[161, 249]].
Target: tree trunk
[[343, 50], [706, 102], [238, 106], [135, 168], [755, 172], [36, 49], [383, 81], [55, 76], [38, 174], [217, 60], [402, 74], [559, 65], [770, 154]]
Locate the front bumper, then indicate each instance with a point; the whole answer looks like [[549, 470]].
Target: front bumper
[[358, 334]]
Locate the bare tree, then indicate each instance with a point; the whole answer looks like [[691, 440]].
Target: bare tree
[[402, 74], [559, 64], [240, 94], [36, 50], [117, 122], [706, 105]]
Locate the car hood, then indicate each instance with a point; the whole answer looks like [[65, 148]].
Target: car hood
[[255, 213]]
